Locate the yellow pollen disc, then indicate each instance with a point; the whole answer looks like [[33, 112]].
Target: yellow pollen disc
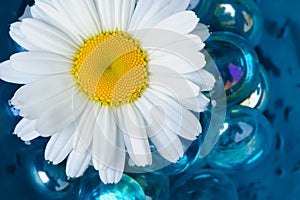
[[111, 69]]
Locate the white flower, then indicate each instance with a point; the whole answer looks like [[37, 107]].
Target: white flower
[[108, 78]]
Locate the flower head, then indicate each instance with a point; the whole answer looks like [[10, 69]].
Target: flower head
[[107, 79]]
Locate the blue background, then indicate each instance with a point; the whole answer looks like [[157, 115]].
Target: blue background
[[277, 177]]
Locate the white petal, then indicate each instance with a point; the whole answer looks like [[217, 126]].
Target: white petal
[[35, 91], [196, 104], [106, 11], [165, 40], [90, 22], [8, 74], [30, 136], [168, 145], [178, 85], [61, 114], [85, 125], [109, 175], [25, 126], [184, 63], [178, 118], [196, 39], [123, 13], [105, 137], [48, 38], [149, 13], [59, 145], [133, 128], [77, 163], [141, 8], [70, 21], [182, 22], [50, 15], [16, 34], [202, 31], [202, 78], [40, 63], [165, 140], [34, 109]]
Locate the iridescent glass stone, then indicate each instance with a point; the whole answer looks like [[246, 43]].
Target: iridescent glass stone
[[238, 16], [237, 62]]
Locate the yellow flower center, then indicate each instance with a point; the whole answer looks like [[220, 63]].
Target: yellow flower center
[[111, 69]]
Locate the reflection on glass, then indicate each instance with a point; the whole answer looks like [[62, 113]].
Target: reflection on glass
[[237, 62], [261, 96], [238, 16], [244, 141], [203, 185]]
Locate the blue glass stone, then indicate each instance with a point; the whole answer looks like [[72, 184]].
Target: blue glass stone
[[155, 186], [92, 188], [237, 62], [242, 17], [261, 96], [244, 141], [204, 185], [49, 179]]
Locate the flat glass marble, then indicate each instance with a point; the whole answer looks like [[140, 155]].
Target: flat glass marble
[[204, 185], [237, 62], [238, 16], [244, 142]]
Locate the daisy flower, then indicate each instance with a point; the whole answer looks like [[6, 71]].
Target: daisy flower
[[108, 79]]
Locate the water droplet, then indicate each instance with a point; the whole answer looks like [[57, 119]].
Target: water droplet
[[237, 62], [242, 17], [244, 141], [203, 185]]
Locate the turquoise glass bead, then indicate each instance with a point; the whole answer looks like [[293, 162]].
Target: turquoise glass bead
[[155, 186], [47, 179], [203, 185], [237, 62], [244, 141], [238, 16], [93, 189]]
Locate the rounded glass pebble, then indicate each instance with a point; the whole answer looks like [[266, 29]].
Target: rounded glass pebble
[[203, 185], [93, 189], [155, 186], [238, 16], [261, 96], [48, 179], [244, 141], [237, 62]]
